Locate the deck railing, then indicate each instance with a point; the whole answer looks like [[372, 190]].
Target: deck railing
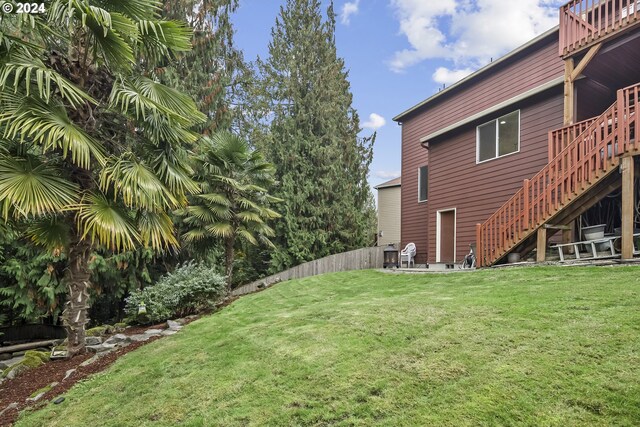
[[560, 138], [583, 22], [578, 166]]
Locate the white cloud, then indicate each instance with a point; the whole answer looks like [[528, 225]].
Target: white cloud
[[468, 32], [375, 122], [446, 76], [387, 174], [348, 9]]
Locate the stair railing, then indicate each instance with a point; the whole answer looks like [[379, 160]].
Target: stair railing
[[581, 163]]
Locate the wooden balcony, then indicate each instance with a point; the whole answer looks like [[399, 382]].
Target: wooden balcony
[[584, 23]]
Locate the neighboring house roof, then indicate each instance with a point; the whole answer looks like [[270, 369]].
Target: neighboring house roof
[[476, 74], [395, 182]]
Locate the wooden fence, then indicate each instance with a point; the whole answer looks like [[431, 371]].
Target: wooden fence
[[360, 259]]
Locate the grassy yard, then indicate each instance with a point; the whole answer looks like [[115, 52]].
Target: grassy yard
[[535, 346]]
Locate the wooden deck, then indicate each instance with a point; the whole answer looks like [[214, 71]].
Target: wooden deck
[[584, 23]]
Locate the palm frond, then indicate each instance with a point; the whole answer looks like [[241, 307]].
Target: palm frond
[[30, 188], [207, 214], [148, 97], [49, 126], [174, 172], [178, 103], [138, 185], [269, 213], [159, 38], [108, 43], [220, 229], [104, 221], [50, 232], [136, 9], [156, 230], [22, 69], [158, 128], [247, 236], [195, 235], [215, 198], [249, 216]]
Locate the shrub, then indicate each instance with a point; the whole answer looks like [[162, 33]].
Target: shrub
[[191, 288]]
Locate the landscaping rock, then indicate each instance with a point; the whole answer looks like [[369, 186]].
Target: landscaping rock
[[173, 325], [5, 356], [101, 348], [93, 340], [118, 339], [36, 397], [153, 331], [119, 327], [3, 366], [11, 406], [139, 337], [89, 361], [15, 371], [13, 361], [168, 332], [68, 374], [96, 332]]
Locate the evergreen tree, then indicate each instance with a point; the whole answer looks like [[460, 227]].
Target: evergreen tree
[[311, 136], [213, 72]]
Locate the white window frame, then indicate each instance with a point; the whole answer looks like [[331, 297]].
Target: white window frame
[[419, 187], [497, 121]]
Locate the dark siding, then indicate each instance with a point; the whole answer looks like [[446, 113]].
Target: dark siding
[[476, 191], [415, 220], [454, 176], [527, 70]]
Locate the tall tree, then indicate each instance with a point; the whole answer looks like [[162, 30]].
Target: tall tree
[[312, 138], [213, 72], [91, 144], [234, 206]]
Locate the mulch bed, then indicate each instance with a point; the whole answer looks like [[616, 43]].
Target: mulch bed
[[24, 385]]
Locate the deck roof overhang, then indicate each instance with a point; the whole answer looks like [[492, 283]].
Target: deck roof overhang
[[477, 73]]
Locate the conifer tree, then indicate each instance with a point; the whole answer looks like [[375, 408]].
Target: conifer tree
[[213, 72], [311, 136]]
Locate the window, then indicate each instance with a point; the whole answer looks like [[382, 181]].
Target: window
[[423, 183], [498, 137]]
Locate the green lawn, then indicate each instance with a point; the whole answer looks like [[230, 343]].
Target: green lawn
[[531, 346]]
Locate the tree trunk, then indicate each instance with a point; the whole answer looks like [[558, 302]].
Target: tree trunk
[[75, 312], [229, 254]]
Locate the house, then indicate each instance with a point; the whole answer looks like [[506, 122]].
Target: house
[[520, 149], [389, 217]]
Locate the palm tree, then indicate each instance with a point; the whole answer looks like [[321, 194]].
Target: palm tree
[[92, 146], [234, 200]]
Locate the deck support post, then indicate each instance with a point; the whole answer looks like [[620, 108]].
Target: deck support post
[[568, 91], [571, 74], [568, 235], [541, 247], [628, 203]]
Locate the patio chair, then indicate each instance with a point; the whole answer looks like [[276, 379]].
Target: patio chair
[[407, 254]]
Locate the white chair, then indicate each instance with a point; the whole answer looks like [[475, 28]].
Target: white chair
[[407, 254]]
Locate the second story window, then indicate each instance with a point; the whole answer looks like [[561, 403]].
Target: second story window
[[498, 137], [423, 183]]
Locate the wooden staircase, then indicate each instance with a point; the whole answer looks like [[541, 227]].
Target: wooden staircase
[[582, 158]]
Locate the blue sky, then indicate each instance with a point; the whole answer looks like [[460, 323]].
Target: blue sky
[[399, 52]]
